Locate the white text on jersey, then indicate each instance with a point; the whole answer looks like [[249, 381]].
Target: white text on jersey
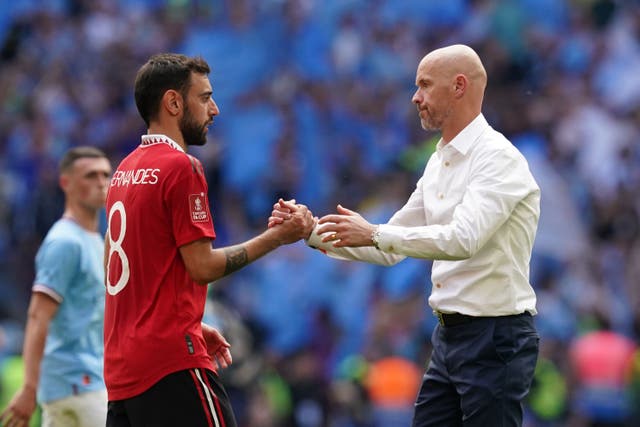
[[134, 177]]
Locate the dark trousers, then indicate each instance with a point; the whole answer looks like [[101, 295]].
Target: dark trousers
[[193, 398], [479, 373]]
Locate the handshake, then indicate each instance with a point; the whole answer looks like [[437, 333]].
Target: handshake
[[346, 228]]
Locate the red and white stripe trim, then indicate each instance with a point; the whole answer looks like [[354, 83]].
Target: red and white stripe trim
[[209, 399], [149, 140]]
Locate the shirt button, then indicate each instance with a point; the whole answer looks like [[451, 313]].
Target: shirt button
[[447, 163], [440, 196], [438, 285]]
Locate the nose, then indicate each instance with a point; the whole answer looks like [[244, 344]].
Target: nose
[[214, 110], [416, 99], [104, 180]]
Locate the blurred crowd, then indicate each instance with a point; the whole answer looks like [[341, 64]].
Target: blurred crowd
[[315, 104]]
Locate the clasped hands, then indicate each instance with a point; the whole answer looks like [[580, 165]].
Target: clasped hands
[[346, 228]]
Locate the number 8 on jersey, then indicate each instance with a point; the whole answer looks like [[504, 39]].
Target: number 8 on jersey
[[115, 248]]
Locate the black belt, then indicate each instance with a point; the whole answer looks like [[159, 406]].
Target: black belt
[[452, 319]]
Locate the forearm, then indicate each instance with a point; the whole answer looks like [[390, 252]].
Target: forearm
[[444, 242], [366, 253], [448, 242], [33, 349], [239, 256], [206, 264]]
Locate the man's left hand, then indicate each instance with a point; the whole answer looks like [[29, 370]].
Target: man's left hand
[[346, 228], [217, 346]]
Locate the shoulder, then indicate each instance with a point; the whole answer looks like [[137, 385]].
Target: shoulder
[[196, 165], [64, 240], [181, 162], [494, 145], [495, 155], [64, 232]]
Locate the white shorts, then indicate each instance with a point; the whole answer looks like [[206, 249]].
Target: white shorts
[[82, 410]]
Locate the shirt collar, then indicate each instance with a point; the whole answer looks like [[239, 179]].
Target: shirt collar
[[149, 140], [467, 136]]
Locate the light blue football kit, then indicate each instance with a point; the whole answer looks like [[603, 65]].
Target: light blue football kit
[[69, 268]]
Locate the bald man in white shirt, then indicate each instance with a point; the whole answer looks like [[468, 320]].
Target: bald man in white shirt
[[475, 213]]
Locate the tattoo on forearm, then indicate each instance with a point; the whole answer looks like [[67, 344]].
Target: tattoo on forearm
[[236, 259]]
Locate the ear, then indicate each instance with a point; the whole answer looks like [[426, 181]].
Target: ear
[[460, 85], [172, 102], [64, 181]]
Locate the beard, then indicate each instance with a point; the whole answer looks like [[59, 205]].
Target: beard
[[434, 121], [429, 123], [192, 132]]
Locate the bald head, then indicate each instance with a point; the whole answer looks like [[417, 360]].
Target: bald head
[[457, 59], [451, 83]]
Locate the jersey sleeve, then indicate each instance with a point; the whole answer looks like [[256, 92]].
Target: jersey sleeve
[[57, 262], [188, 203]]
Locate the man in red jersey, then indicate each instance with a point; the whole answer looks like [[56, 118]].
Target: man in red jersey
[[159, 357]]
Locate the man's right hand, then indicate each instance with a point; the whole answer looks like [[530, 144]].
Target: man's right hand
[[280, 212], [20, 409], [291, 221]]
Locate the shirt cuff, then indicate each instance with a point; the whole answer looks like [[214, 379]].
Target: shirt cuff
[[387, 239], [48, 291], [314, 241]]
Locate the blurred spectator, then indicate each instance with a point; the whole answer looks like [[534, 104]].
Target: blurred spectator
[[602, 363], [392, 384]]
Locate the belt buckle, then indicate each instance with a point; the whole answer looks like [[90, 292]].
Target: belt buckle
[[439, 316]]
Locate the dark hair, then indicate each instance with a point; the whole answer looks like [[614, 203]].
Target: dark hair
[[163, 72], [76, 153]]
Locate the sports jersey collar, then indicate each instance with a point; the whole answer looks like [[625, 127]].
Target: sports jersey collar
[[148, 140]]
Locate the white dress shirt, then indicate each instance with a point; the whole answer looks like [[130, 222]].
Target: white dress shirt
[[475, 213]]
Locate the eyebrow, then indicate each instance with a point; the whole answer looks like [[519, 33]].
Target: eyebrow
[[97, 172]]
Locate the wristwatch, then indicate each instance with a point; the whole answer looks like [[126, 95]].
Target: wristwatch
[[375, 237]]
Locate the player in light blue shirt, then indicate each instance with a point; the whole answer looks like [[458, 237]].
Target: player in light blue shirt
[[63, 345], [69, 269]]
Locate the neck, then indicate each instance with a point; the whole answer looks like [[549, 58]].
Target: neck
[[455, 127], [172, 132], [84, 218], [451, 132]]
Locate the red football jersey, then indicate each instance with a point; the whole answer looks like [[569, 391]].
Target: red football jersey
[[156, 203]]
